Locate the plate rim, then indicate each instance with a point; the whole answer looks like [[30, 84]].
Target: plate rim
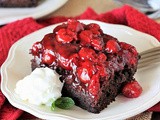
[[13, 47]]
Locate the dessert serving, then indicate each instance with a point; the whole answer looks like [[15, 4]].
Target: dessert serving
[[94, 67]]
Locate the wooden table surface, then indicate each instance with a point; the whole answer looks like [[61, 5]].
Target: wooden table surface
[[76, 7]]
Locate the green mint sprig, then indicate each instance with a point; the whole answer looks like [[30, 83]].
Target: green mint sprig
[[63, 103]]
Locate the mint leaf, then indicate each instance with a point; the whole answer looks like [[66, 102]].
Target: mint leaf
[[64, 103], [53, 106]]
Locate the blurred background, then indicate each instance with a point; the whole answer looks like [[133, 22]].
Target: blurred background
[[73, 7]]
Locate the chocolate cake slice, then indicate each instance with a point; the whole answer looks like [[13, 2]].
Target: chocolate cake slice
[[93, 65], [18, 3]]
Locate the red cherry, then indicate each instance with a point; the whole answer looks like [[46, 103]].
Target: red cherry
[[56, 29], [95, 32], [48, 57], [129, 47], [74, 25], [94, 85], [97, 44], [85, 71], [62, 36], [101, 66], [72, 34], [74, 58], [132, 89], [65, 62], [102, 57], [48, 48], [112, 46], [125, 45], [93, 26], [87, 54], [85, 37], [36, 48], [133, 61], [102, 70], [83, 74], [133, 50]]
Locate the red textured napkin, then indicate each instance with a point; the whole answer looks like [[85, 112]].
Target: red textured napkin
[[12, 32]]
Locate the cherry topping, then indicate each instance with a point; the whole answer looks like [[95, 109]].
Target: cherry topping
[[101, 70], [125, 45], [74, 58], [85, 37], [134, 51], [65, 63], [72, 34], [85, 71], [129, 47], [112, 46], [48, 57], [36, 48], [132, 89], [94, 85], [74, 25], [102, 57], [97, 44], [56, 29], [87, 54], [83, 74], [93, 26], [83, 53], [95, 32], [63, 36]]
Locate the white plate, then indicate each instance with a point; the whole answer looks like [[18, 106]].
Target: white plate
[[18, 65], [45, 7]]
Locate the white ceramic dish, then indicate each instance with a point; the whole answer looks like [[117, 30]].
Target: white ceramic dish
[[45, 7], [18, 65]]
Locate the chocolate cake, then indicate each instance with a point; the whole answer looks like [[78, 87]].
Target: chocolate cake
[[93, 65], [18, 3]]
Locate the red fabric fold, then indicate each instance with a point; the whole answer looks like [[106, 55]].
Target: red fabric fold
[[2, 99], [8, 112], [12, 32], [155, 108]]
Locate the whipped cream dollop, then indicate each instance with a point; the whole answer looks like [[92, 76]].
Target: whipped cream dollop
[[42, 86]]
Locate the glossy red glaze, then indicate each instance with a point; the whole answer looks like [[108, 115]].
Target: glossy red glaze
[[85, 52], [132, 89]]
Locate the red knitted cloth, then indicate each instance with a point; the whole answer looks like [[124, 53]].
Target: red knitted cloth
[[12, 32]]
